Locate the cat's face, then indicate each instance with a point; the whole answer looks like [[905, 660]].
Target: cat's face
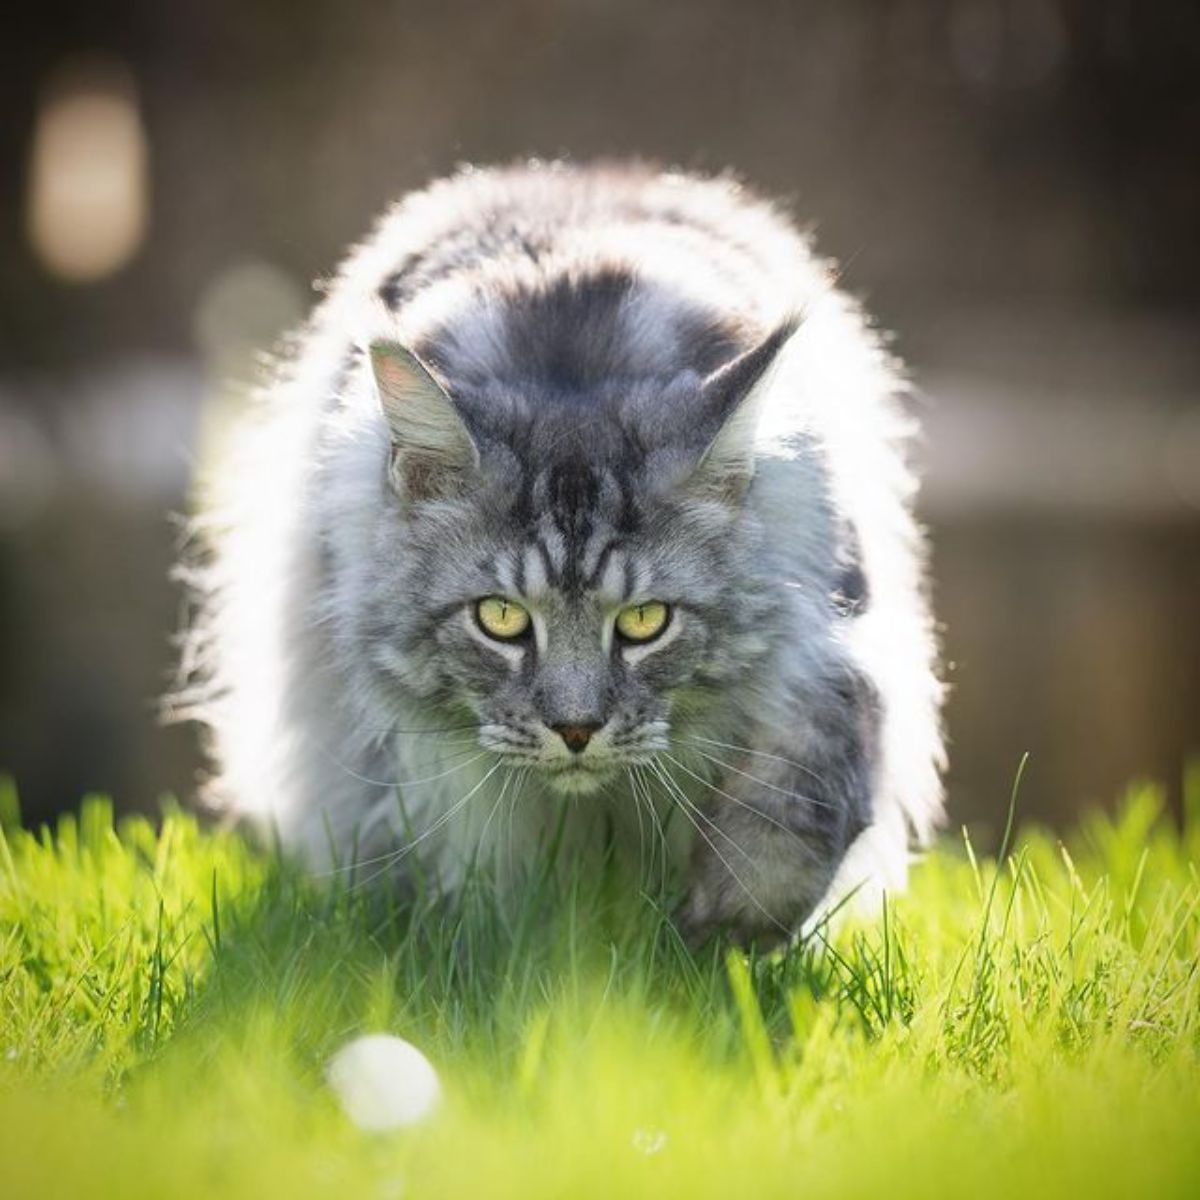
[[580, 655], [574, 582], [579, 616]]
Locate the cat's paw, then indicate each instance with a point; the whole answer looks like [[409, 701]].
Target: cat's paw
[[695, 924], [705, 917]]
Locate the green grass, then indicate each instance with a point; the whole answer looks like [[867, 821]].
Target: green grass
[[169, 997]]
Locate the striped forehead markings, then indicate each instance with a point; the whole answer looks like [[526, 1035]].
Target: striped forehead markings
[[604, 552], [600, 565], [566, 548], [553, 545], [537, 569]]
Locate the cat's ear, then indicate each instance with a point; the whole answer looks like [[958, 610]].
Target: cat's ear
[[731, 399], [432, 452]]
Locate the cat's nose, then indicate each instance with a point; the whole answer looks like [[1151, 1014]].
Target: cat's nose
[[576, 736]]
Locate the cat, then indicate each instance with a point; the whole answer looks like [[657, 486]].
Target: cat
[[581, 504]]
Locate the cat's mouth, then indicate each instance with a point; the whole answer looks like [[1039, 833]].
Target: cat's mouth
[[582, 770], [577, 777]]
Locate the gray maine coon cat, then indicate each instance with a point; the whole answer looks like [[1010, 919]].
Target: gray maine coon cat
[[581, 506]]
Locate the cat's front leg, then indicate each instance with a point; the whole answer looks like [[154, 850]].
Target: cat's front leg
[[780, 815]]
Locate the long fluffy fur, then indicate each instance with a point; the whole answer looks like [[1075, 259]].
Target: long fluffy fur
[[532, 291]]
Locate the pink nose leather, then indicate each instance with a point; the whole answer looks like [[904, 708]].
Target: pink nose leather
[[576, 736]]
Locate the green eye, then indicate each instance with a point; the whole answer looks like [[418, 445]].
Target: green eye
[[501, 618], [643, 622]]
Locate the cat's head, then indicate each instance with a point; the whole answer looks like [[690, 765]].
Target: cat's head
[[576, 574]]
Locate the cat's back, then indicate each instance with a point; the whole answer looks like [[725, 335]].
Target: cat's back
[[549, 269]]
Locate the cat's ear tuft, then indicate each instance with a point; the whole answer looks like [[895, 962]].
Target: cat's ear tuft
[[432, 452], [731, 400]]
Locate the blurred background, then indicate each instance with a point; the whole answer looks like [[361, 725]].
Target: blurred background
[[1012, 185]]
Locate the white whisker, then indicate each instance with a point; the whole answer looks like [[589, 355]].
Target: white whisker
[[774, 787], [403, 783], [791, 762], [480, 845], [394, 856], [758, 812], [726, 864], [662, 833], [521, 774], [637, 808], [694, 808]]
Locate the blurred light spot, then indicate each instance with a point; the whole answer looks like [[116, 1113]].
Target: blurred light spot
[[87, 197], [128, 427], [1181, 452], [649, 1141], [241, 314]]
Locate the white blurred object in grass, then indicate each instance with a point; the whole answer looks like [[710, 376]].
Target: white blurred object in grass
[[383, 1082]]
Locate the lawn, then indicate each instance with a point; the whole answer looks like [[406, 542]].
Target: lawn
[[170, 997]]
